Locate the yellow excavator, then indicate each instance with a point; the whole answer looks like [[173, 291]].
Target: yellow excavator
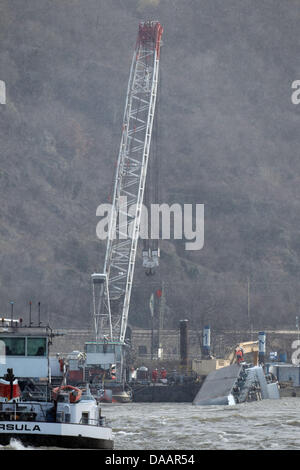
[[237, 353]]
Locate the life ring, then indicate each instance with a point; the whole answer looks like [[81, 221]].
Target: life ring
[[74, 395]]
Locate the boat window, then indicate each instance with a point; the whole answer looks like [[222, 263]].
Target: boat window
[[60, 417], [118, 353], [85, 417], [36, 346], [14, 346], [90, 348], [105, 348], [100, 348]]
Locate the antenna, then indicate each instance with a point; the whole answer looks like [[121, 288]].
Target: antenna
[[30, 303], [12, 312], [39, 312]]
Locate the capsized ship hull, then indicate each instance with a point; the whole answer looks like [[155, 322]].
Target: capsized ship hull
[[237, 383]]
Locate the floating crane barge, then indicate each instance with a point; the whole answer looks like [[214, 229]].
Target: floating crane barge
[[112, 287]]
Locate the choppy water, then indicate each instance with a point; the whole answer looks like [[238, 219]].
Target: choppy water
[[266, 425]]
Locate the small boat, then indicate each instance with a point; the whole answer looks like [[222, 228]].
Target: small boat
[[116, 393], [70, 419]]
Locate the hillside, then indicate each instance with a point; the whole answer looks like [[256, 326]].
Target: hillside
[[227, 136]]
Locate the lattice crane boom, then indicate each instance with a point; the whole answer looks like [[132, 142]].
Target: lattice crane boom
[[111, 305]]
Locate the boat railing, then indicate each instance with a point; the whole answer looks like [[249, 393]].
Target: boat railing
[[16, 407], [37, 396], [101, 421]]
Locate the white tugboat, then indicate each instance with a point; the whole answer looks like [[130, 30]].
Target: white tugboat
[[72, 419], [32, 410]]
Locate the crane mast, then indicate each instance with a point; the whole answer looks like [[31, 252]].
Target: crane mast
[[112, 288]]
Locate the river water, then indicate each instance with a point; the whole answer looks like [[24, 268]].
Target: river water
[[267, 424], [263, 425]]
